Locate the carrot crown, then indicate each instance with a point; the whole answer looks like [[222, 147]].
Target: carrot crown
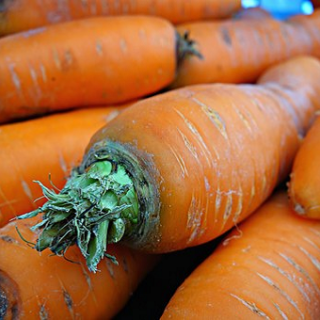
[[98, 205]]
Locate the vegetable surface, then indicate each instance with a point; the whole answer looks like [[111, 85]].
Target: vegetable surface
[[18, 15], [96, 61], [267, 269], [304, 186], [179, 169], [33, 149], [39, 286], [239, 50]]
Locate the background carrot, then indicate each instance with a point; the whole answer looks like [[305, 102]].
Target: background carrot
[[18, 15], [304, 186], [33, 149], [268, 268], [39, 286], [96, 61], [184, 167], [236, 51]]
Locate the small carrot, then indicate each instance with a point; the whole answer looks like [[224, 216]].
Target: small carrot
[[96, 61], [179, 169], [34, 286], [267, 269], [304, 185], [19, 15], [33, 149], [239, 50]]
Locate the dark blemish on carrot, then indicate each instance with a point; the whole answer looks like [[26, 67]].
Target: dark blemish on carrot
[[43, 313], [125, 265], [9, 297], [67, 299], [226, 36], [8, 240]]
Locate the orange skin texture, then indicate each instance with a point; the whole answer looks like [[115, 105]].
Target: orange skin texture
[[41, 284], [267, 268], [304, 186], [28, 14], [240, 50], [97, 61], [34, 149], [218, 150]]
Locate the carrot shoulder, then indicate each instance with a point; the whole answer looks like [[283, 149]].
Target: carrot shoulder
[[31, 150], [240, 50], [180, 169], [304, 185], [96, 61], [34, 286], [267, 269], [18, 15]]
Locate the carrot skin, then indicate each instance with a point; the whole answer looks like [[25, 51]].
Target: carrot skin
[[34, 149], [19, 15], [96, 61], [38, 286], [215, 152], [240, 50], [267, 268], [304, 185]]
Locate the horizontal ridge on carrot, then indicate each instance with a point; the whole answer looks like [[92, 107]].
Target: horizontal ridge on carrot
[[19, 15], [239, 50], [267, 269], [33, 149], [95, 61], [304, 185], [179, 169], [34, 286]]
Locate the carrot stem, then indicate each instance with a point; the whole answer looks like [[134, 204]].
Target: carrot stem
[[186, 47], [98, 205]]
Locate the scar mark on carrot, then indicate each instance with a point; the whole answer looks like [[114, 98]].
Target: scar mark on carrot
[[252, 306], [214, 117], [226, 37], [43, 313]]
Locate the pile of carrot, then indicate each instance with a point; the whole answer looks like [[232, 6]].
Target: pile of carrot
[[134, 129]]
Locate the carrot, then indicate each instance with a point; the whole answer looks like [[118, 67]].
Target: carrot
[[179, 169], [97, 61], [304, 185], [36, 148], [237, 51], [34, 286], [19, 15], [270, 270]]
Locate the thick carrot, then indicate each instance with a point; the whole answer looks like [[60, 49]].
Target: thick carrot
[[19, 15], [33, 149], [180, 169], [267, 269], [237, 51], [96, 61], [34, 286], [304, 185]]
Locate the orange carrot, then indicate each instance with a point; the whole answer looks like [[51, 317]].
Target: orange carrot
[[237, 51], [34, 286], [19, 15], [267, 269], [179, 169], [33, 149], [96, 61], [304, 186]]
